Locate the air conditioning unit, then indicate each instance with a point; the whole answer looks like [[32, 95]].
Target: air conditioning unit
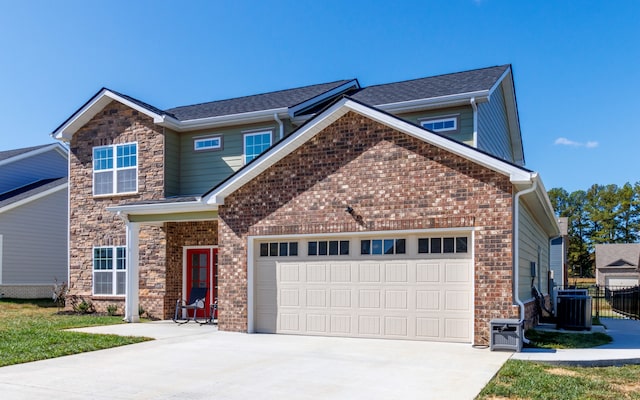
[[557, 292], [573, 312]]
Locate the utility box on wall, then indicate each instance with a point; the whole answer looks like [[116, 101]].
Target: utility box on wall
[[506, 334]]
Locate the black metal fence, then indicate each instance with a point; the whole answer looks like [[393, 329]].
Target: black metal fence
[[621, 302]]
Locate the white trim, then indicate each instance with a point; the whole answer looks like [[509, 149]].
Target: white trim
[[251, 326], [66, 131], [53, 146], [198, 139], [257, 132], [163, 208], [34, 197], [114, 271], [453, 118], [132, 294], [442, 101], [358, 234], [114, 169]]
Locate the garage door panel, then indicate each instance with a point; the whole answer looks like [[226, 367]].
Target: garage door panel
[[427, 300], [341, 298], [428, 272], [396, 326], [396, 299], [317, 298], [396, 273], [457, 301], [369, 299], [340, 273], [316, 273], [368, 272], [401, 299], [457, 328], [369, 325], [456, 272]]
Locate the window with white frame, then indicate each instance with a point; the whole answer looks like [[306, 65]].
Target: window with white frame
[[255, 143], [207, 143], [115, 169], [109, 270], [441, 124]]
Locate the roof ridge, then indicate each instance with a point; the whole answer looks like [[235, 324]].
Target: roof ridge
[[260, 94], [436, 76]]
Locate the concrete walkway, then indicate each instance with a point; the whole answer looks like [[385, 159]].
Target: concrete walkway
[[198, 362], [625, 348]]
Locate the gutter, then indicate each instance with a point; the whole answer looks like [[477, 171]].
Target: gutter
[[516, 247], [474, 105], [280, 124]]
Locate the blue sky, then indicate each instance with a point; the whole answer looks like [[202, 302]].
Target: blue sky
[[576, 64]]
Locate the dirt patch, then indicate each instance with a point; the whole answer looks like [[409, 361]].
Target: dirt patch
[[562, 372], [626, 388]]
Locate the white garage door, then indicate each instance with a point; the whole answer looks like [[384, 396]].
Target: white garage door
[[417, 299], [621, 281]]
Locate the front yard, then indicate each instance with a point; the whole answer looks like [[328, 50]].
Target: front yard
[[34, 330]]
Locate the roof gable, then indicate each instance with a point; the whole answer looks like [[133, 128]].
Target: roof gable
[[10, 156], [618, 255], [30, 192], [281, 149]]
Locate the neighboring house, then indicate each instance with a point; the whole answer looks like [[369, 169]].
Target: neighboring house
[[33, 220], [559, 251], [390, 211], [617, 264]]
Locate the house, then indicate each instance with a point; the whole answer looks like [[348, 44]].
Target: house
[[388, 211], [33, 220], [617, 265], [559, 251]]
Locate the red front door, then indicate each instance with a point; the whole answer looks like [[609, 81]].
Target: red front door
[[202, 273]]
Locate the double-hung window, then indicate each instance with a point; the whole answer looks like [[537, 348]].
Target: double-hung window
[[109, 270], [255, 143], [115, 169]]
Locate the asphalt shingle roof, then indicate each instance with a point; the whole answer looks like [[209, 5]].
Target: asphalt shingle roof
[[435, 86], [265, 101], [29, 190], [4, 155], [611, 255]]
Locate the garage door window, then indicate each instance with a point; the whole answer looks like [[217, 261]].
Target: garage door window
[[279, 249], [442, 245], [328, 248], [382, 246]]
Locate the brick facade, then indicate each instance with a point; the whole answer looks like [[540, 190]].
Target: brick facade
[[393, 181], [179, 235], [90, 224]]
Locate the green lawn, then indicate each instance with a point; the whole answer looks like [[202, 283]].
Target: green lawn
[[534, 381], [34, 330]]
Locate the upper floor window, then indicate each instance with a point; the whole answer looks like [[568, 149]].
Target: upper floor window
[[208, 143], [115, 169], [109, 270], [441, 124], [256, 143]]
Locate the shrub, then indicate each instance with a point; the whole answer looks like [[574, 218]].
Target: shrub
[[112, 309]]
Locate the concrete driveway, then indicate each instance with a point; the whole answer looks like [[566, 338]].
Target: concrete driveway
[[198, 362]]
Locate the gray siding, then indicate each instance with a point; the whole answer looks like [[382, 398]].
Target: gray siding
[[50, 164], [202, 170], [465, 121], [493, 127], [34, 241], [534, 247], [557, 251], [171, 163]]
